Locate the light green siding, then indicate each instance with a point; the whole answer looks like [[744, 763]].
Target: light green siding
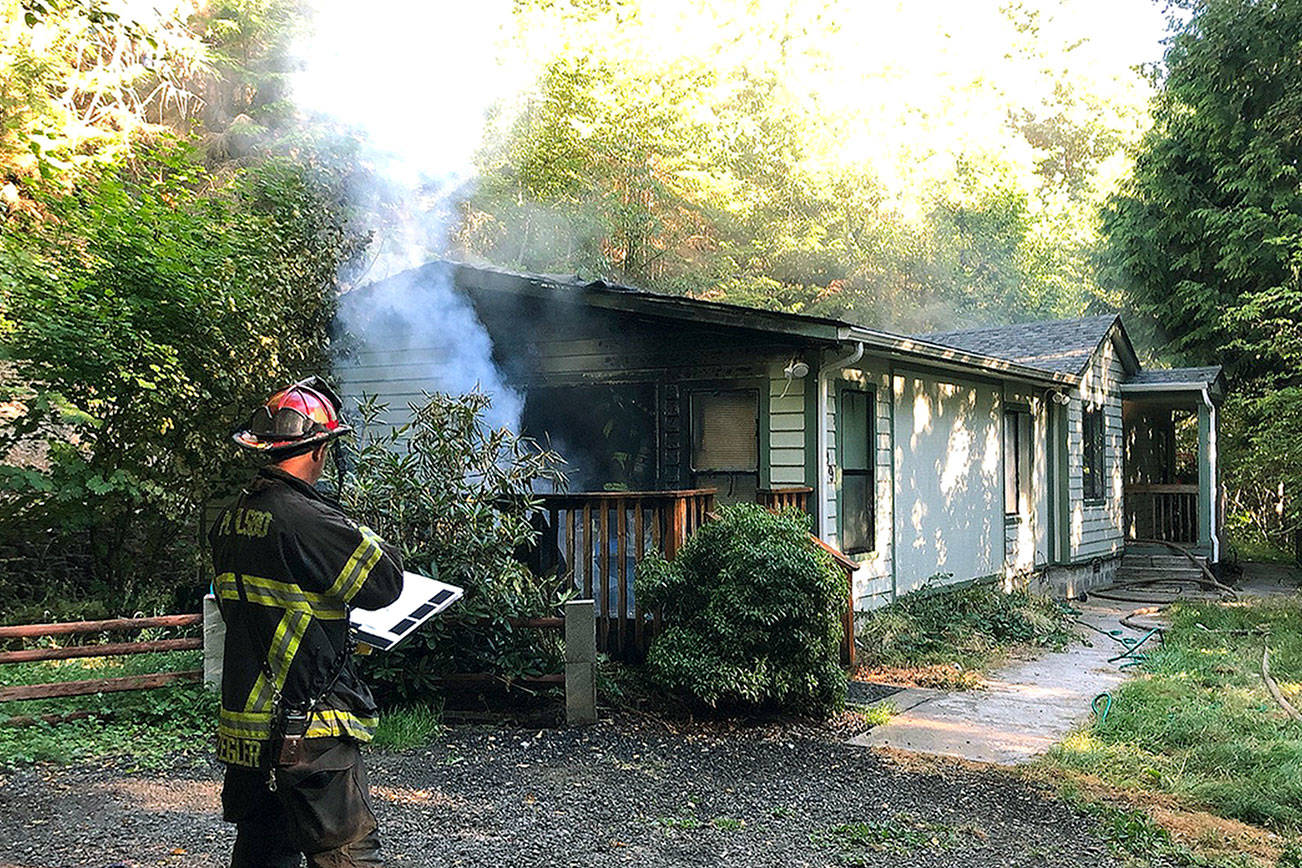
[[787, 428], [949, 485], [1096, 529]]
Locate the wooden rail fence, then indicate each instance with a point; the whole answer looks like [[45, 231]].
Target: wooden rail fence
[[86, 687]]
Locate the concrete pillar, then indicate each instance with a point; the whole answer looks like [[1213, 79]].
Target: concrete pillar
[[214, 643], [580, 662]]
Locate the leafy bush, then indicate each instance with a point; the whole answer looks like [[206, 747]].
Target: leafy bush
[[144, 310], [752, 608], [969, 626], [457, 496]]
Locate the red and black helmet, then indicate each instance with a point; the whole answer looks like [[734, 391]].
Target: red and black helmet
[[294, 420]]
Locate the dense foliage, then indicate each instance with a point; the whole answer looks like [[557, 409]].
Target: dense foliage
[[457, 497], [1207, 237], [791, 175], [145, 309], [752, 611]]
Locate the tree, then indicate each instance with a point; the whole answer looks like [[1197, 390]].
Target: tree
[[1207, 237], [751, 164], [143, 312]]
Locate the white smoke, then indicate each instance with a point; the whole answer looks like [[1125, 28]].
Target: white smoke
[[414, 82]]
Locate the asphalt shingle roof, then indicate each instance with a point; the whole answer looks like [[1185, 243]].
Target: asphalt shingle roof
[[1177, 375], [1059, 346]]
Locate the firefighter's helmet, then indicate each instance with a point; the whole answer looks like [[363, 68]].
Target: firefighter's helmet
[[294, 420]]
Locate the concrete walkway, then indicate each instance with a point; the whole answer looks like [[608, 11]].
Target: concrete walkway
[[1025, 708]]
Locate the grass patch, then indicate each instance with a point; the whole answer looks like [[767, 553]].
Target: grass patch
[[147, 728], [877, 714], [1198, 729], [407, 726], [1249, 544], [150, 729], [946, 639], [856, 843], [1134, 835]]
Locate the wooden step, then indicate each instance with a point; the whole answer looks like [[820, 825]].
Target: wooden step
[[1159, 560]]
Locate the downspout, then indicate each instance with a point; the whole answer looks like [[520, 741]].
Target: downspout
[[824, 468], [1212, 467]]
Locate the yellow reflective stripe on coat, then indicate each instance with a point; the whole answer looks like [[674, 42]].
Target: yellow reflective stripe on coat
[[285, 643], [326, 722], [336, 721], [359, 566], [280, 595], [244, 724]]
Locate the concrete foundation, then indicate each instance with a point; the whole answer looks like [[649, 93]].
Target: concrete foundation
[[1069, 581]]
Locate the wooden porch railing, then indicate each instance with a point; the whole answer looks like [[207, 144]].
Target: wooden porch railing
[[778, 499], [1162, 512], [600, 536]]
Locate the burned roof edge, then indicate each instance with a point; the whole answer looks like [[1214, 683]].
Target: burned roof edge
[[819, 329]]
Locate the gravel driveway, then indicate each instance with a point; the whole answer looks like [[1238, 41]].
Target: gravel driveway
[[620, 793]]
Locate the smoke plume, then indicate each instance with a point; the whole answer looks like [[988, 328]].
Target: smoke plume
[[412, 82]]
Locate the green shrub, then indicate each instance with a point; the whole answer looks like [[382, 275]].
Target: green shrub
[[457, 496], [752, 609]]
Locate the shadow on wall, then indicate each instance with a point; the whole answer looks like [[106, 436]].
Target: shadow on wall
[[951, 482]]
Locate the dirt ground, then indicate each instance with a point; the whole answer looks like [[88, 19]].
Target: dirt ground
[[619, 793]]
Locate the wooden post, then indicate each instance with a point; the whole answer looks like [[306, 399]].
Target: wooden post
[[621, 573], [580, 662]]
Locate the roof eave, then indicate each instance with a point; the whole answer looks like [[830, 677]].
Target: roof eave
[[1164, 387], [814, 329]]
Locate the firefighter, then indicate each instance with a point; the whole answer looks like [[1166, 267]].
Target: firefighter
[[289, 565]]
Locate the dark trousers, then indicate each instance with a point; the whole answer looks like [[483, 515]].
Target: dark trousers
[[321, 809]]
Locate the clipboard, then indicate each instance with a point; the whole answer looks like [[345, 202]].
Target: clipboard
[[421, 599]]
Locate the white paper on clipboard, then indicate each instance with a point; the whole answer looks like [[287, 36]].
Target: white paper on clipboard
[[421, 599]]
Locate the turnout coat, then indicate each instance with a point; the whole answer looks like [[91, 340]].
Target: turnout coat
[[289, 564]]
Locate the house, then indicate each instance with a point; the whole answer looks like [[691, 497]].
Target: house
[[1037, 453]]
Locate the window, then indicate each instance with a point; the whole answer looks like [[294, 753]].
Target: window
[[1017, 463], [725, 442], [1093, 429], [857, 471]]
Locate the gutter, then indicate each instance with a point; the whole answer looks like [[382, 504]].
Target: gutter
[[1164, 387], [823, 467]]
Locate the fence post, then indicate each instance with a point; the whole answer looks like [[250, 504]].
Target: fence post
[[214, 643], [580, 662]]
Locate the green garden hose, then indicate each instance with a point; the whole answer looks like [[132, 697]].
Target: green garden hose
[[1094, 706]]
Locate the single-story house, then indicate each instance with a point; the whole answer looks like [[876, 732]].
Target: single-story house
[[1038, 452]]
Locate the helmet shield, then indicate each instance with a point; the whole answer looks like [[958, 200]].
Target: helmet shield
[[297, 417]]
